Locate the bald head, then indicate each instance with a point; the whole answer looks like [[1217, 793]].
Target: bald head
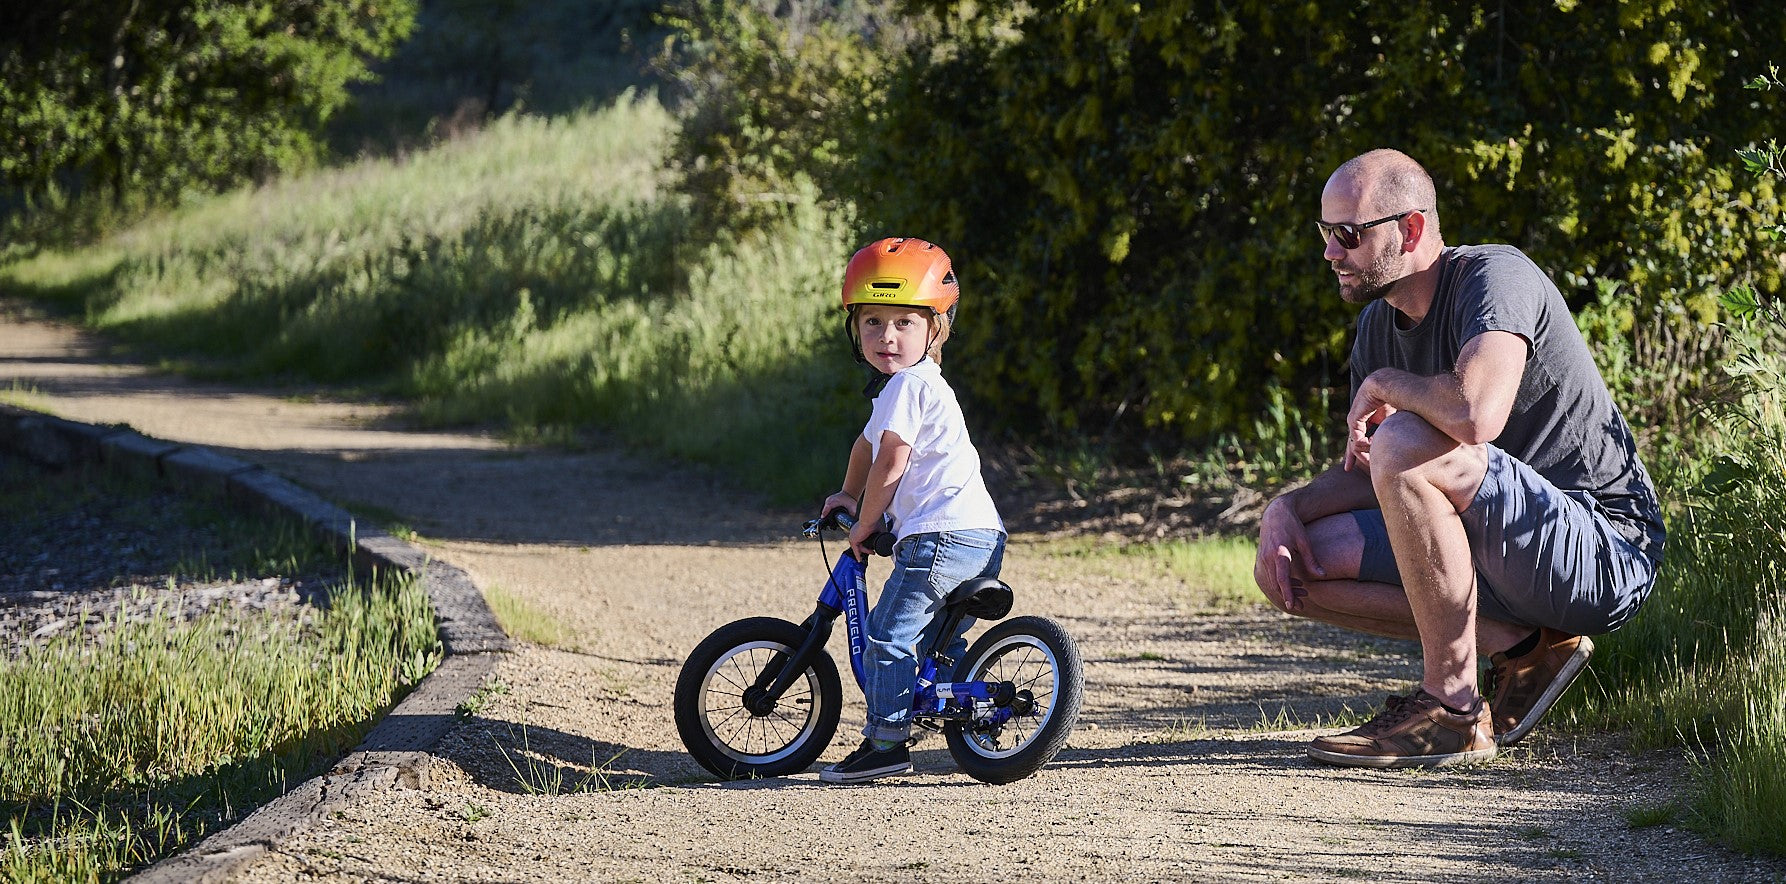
[[1385, 182]]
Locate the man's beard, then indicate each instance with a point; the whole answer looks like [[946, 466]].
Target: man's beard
[[1373, 282]]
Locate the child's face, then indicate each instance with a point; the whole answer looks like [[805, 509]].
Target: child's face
[[893, 338]]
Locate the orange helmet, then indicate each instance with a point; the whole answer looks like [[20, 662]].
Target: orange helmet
[[902, 271]]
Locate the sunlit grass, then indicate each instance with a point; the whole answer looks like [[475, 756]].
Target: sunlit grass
[[1215, 572], [125, 744], [520, 619], [121, 749], [1703, 664], [535, 275], [23, 395]]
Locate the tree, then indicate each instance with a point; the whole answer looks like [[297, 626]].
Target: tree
[[147, 99], [1129, 188]]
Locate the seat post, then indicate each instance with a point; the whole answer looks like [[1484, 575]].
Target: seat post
[[986, 598]]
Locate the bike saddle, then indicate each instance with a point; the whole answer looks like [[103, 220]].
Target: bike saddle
[[983, 598]]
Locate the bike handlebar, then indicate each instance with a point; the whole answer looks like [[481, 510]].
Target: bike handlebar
[[881, 542]]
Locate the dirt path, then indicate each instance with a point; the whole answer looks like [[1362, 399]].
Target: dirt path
[[1170, 775]]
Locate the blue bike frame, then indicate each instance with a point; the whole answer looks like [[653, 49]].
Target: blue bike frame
[[847, 593]]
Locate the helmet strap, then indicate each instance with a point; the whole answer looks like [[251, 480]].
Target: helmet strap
[[876, 383], [855, 338]]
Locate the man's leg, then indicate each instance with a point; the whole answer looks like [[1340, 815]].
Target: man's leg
[[1424, 479], [1344, 599], [1561, 565], [1550, 573]]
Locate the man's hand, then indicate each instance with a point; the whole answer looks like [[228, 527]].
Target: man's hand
[[1283, 556], [1369, 409]]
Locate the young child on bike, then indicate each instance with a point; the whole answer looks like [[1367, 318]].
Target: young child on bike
[[914, 463]]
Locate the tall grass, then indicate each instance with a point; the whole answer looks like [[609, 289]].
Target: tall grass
[[117, 751], [127, 743], [1703, 664], [535, 274]]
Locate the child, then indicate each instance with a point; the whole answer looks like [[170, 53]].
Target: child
[[913, 462]]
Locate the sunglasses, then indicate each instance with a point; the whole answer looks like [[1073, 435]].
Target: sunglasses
[[1350, 235]]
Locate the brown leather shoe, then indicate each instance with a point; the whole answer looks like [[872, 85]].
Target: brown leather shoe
[[1414, 731], [1524, 688]]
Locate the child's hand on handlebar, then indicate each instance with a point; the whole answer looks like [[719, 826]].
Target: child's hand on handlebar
[[860, 537], [838, 501]]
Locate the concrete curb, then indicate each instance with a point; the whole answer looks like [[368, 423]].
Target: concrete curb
[[395, 752]]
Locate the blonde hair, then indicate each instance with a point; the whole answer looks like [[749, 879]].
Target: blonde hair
[[939, 323]]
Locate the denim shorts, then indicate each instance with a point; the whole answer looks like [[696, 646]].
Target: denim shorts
[[1543, 556]]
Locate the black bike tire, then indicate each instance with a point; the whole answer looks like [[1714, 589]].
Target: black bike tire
[[1069, 691], [699, 734]]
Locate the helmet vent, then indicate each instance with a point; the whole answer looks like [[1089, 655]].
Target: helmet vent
[[885, 285]]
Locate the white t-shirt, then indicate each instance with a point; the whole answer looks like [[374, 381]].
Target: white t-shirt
[[942, 489]]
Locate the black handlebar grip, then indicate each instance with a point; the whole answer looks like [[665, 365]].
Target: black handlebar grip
[[882, 542]]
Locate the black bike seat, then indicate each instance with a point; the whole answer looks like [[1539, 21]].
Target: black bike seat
[[984, 598]]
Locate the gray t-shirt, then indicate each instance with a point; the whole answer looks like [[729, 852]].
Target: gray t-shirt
[[1564, 423]]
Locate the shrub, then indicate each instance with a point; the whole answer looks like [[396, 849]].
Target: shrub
[[1128, 188]]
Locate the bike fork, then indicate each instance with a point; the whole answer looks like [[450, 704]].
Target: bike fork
[[760, 698]]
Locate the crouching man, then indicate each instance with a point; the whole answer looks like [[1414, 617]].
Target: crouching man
[[1490, 500]]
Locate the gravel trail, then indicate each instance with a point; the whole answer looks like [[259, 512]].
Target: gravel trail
[[570, 768]]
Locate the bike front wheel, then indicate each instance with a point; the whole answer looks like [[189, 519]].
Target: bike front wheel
[[1041, 661], [725, 722]]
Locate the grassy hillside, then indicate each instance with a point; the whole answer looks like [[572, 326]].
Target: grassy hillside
[[536, 274]]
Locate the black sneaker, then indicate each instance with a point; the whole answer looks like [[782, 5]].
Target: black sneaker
[[867, 763]]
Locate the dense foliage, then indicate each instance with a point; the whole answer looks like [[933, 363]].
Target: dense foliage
[[774, 93], [1129, 188], [144, 99]]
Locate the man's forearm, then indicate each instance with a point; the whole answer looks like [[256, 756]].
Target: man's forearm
[[1332, 492], [1438, 400], [1469, 404]]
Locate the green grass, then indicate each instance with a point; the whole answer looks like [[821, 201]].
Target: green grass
[[1216, 572], [120, 751], [121, 747], [536, 774], [521, 620], [1649, 815], [491, 688], [391, 520], [22, 395], [1185, 727], [535, 275], [1703, 664]]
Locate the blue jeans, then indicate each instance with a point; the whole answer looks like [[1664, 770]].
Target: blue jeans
[[926, 568]]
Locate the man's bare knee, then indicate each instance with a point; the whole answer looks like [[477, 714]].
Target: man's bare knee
[[1405, 448], [1337, 545]]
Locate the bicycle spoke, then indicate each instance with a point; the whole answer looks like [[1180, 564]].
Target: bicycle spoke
[[736, 726], [745, 678], [1027, 668]]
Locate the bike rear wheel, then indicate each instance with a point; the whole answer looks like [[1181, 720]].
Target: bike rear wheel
[[736, 738], [1038, 657]]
